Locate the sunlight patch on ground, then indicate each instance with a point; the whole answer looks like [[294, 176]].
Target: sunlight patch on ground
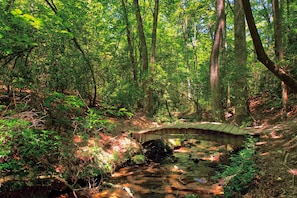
[[265, 154], [182, 150], [123, 172]]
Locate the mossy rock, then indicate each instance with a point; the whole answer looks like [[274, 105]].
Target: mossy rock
[[173, 143], [139, 159], [156, 150]]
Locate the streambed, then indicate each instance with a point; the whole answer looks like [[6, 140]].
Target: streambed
[[187, 172]]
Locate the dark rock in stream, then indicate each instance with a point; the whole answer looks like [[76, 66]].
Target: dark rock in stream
[[156, 150]]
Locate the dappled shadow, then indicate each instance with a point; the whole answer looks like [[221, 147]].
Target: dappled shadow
[[277, 160], [176, 176]]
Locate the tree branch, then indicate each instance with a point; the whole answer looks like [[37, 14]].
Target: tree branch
[[281, 74], [78, 46]]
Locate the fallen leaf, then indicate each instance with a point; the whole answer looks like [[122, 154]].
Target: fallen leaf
[[217, 189], [274, 136], [293, 171], [260, 143], [77, 139]]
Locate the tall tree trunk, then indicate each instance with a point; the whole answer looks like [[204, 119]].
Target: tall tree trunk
[[278, 46], [185, 32], [150, 106], [195, 50], [143, 53], [143, 47], [130, 42], [216, 100], [240, 78], [281, 74]]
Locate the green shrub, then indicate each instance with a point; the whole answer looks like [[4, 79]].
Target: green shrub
[[118, 112], [25, 150], [61, 108], [241, 170], [139, 159], [95, 121]]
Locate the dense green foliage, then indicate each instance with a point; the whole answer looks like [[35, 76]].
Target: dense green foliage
[[238, 175], [26, 151], [22, 147], [65, 66], [40, 143], [72, 46]]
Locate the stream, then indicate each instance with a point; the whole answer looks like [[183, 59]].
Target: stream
[[188, 172], [185, 171]]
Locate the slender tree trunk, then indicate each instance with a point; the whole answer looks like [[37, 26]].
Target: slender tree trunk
[[185, 32], [195, 50], [281, 74], [143, 46], [240, 76], [130, 42], [288, 11], [216, 102], [143, 53], [278, 36], [150, 106], [278, 47]]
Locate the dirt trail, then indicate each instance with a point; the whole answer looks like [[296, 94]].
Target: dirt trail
[[276, 160]]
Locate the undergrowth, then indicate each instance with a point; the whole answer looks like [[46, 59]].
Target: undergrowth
[[238, 175], [38, 140], [26, 151]]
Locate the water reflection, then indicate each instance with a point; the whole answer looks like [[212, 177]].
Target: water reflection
[[189, 171]]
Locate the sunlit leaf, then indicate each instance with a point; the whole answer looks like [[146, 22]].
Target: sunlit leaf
[[28, 17], [34, 44], [16, 11]]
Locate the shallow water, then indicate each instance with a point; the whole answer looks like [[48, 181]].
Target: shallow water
[[187, 173]]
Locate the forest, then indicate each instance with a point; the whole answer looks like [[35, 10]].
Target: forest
[[78, 76]]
